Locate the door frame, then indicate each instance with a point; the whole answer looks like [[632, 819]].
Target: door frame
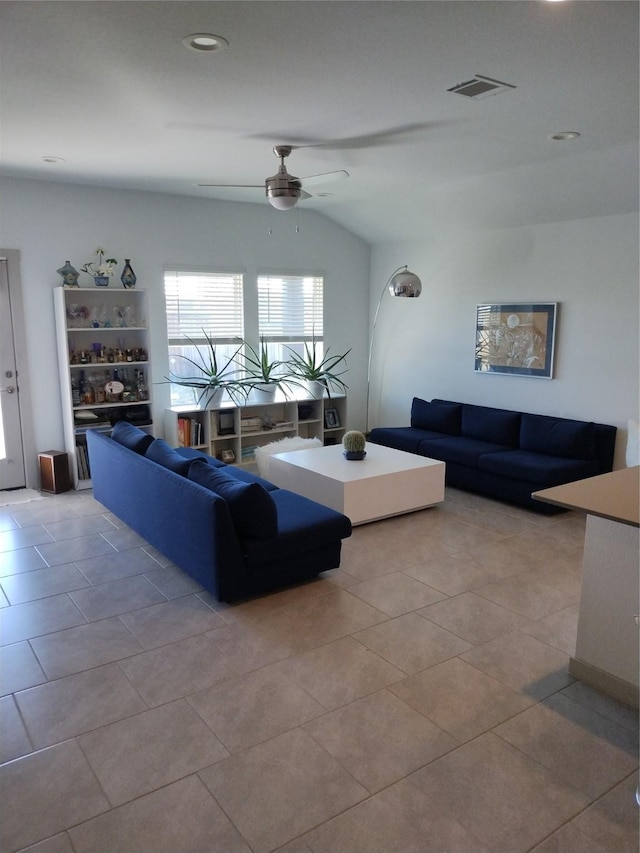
[[22, 366]]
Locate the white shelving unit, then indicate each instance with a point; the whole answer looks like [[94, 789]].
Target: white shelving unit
[[239, 429], [102, 337]]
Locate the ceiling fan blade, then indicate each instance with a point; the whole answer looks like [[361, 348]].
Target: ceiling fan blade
[[236, 186], [304, 194], [325, 178], [393, 135]]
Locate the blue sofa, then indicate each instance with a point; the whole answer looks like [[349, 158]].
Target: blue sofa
[[501, 453], [233, 532]]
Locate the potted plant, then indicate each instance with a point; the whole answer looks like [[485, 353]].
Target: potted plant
[[318, 374], [354, 443], [262, 375], [102, 270], [211, 380]]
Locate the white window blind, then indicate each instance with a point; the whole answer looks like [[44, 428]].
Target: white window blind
[[290, 307], [203, 301]]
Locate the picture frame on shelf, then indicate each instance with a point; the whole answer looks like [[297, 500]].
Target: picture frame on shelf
[[225, 423], [228, 456], [516, 338], [331, 419]]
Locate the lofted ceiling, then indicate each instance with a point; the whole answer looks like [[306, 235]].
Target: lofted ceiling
[[362, 86]]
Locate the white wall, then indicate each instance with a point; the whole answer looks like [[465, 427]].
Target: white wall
[[50, 223], [425, 347]]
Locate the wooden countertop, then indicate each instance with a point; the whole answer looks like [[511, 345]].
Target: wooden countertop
[[615, 496]]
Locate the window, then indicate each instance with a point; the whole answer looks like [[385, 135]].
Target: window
[[290, 311], [199, 303]]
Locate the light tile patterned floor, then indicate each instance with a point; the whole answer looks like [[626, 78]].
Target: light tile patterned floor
[[417, 699]]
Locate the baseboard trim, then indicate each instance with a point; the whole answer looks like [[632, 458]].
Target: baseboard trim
[[622, 690]]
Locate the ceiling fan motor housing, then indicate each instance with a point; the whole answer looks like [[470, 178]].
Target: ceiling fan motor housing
[[282, 189]]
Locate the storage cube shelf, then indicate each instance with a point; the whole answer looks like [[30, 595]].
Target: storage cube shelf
[[102, 338], [232, 433]]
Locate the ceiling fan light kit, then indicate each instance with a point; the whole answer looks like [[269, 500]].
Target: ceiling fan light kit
[[283, 190]]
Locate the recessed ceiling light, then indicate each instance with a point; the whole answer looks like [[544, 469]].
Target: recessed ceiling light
[[205, 42], [50, 158], [564, 136]]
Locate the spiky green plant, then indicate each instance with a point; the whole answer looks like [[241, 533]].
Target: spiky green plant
[[354, 441], [311, 368], [210, 377]]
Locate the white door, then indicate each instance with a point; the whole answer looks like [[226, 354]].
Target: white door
[[12, 474]]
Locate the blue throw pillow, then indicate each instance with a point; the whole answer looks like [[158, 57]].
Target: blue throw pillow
[[558, 437], [131, 436], [162, 453], [253, 511], [437, 417]]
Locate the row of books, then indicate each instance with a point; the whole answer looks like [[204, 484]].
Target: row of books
[[251, 424], [249, 452], [190, 432], [82, 462]]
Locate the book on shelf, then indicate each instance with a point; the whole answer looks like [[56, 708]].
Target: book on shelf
[[190, 432], [82, 462]]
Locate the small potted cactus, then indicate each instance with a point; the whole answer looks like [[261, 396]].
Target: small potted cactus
[[354, 443]]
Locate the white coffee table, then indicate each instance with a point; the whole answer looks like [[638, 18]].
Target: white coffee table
[[387, 482]]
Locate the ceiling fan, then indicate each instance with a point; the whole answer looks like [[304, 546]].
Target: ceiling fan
[[283, 190]]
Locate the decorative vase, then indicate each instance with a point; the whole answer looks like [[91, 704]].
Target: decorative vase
[[101, 280], [211, 399], [314, 389], [69, 275], [263, 392], [128, 277]]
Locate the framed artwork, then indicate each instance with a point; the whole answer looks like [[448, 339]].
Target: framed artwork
[[516, 338], [225, 423], [331, 419]]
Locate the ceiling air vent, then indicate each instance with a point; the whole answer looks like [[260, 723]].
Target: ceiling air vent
[[481, 87]]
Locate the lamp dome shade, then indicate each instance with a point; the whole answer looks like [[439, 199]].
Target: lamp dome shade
[[406, 284]]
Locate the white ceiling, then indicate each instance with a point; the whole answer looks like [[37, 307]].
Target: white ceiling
[[109, 87]]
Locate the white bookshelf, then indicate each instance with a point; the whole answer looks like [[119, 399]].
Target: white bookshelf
[[239, 428], [94, 325]]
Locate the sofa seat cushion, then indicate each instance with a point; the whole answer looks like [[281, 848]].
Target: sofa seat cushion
[[252, 508], [163, 454], [558, 437], [436, 416], [536, 468], [131, 436], [402, 438], [302, 525], [459, 449]]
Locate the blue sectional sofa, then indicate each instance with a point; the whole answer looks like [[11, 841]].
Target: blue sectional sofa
[[501, 453], [235, 533]]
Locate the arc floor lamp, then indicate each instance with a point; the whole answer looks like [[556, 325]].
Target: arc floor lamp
[[403, 283]]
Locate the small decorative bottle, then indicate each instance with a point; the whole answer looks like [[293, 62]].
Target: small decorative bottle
[[128, 277], [69, 275]]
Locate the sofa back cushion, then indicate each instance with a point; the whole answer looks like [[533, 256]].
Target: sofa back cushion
[[252, 508], [558, 437], [162, 453], [131, 436], [437, 417], [499, 426]]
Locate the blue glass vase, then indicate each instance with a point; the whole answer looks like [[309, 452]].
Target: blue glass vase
[[128, 277]]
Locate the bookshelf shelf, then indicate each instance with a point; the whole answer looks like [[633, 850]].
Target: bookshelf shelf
[[252, 425]]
